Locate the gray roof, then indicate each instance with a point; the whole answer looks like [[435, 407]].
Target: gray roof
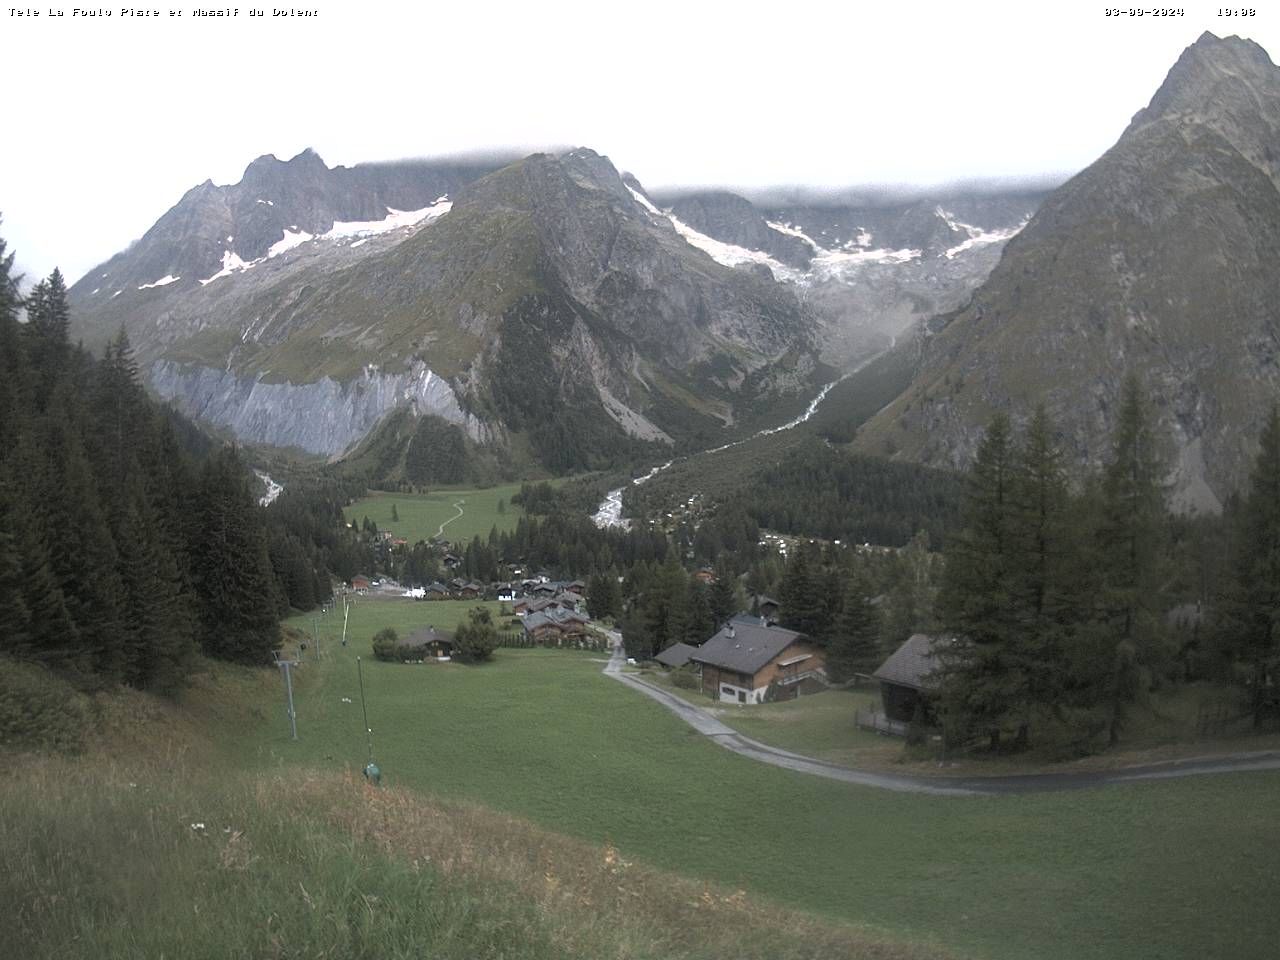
[[553, 615], [744, 645], [676, 655], [911, 664], [426, 636]]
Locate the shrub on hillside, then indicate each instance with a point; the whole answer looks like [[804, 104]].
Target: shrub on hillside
[[39, 709], [685, 678], [386, 644]]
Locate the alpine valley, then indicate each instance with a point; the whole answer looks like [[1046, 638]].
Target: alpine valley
[[560, 315], [547, 307]]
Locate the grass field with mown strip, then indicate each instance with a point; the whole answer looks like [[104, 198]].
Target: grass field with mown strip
[[1183, 868], [422, 513]]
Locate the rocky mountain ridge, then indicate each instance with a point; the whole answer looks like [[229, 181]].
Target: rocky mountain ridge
[[539, 304], [1158, 259], [276, 203]]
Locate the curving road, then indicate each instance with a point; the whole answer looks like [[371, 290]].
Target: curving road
[[730, 739]]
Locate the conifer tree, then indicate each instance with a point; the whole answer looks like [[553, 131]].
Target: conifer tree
[[985, 685], [1252, 602], [804, 603], [855, 642], [233, 574], [15, 618], [722, 600], [51, 636], [47, 311], [1131, 543], [701, 625], [1046, 591], [666, 606]]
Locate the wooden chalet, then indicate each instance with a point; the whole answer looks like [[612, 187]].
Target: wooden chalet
[[676, 655], [906, 680], [360, 583], [554, 625], [767, 607], [747, 655], [430, 642]]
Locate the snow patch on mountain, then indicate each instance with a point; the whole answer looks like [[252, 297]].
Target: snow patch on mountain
[[231, 262], [732, 255], [835, 263], [288, 242], [792, 231], [394, 220], [977, 237], [162, 282], [644, 202]]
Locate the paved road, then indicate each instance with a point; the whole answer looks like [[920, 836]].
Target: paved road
[[730, 739]]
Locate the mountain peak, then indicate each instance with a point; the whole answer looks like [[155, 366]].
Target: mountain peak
[[1194, 83], [308, 155]]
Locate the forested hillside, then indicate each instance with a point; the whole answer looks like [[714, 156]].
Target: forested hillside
[[1063, 607], [129, 541]]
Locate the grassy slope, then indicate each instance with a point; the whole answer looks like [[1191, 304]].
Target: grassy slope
[[1120, 872], [158, 843], [421, 514]]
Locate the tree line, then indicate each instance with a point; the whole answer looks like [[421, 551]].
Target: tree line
[[1058, 605], [129, 542]]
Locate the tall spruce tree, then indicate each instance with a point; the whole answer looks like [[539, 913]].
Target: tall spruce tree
[[1131, 540], [1252, 601], [233, 573], [985, 682], [700, 625], [804, 602], [855, 642], [1046, 597], [722, 599]]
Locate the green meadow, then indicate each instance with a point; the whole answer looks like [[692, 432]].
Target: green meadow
[[421, 514], [1181, 868]]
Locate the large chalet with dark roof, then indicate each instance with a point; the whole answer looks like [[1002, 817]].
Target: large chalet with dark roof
[[741, 661]]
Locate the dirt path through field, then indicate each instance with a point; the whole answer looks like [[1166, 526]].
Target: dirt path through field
[[730, 739], [457, 505]]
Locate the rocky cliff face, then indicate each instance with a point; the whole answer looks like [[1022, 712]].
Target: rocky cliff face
[[325, 416], [1157, 259], [543, 300]]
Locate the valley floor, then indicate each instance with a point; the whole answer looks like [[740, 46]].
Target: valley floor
[[587, 775]]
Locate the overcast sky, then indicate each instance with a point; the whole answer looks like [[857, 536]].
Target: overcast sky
[[111, 120]]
